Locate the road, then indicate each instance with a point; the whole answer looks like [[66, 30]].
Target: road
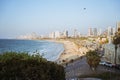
[[80, 67]]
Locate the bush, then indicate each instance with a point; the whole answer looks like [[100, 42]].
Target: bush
[[22, 66]]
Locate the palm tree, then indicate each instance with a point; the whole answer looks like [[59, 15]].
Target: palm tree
[[116, 41]]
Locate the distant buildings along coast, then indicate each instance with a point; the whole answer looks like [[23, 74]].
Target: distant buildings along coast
[[92, 32]]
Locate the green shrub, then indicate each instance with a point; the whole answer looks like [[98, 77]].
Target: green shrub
[[22, 66]]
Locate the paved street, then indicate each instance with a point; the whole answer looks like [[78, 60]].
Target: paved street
[[80, 67]]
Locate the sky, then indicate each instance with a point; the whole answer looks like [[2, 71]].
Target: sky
[[19, 17]]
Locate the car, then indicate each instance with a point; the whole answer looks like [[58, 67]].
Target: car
[[108, 64], [74, 79], [102, 63]]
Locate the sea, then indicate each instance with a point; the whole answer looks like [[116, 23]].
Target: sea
[[49, 50]]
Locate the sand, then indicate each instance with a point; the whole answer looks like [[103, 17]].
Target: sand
[[71, 51]]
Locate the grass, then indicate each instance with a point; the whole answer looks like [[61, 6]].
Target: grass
[[103, 76]]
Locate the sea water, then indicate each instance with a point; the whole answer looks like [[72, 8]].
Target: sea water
[[49, 50]]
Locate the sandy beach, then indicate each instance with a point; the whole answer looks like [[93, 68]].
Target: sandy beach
[[71, 51]]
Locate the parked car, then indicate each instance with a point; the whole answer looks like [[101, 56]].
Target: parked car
[[108, 64], [102, 63]]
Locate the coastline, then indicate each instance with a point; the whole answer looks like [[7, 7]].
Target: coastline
[[71, 51]]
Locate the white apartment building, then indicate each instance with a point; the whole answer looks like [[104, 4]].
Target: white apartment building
[[52, 35], [92, 32], [110, 31], [110, 53], [57, 34]]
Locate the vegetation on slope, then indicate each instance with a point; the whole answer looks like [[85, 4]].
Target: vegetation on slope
[[22, 66]]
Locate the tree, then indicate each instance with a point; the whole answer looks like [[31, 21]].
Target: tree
[[93, 59], [116, 42]]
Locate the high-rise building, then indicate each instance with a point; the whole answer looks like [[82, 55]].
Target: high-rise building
[[111, 31], [99, 32], [90, 32], [118, 26], [65, 33], [109, 53], [95, 32], [57, 34], [114, 31], [75, 33], [52, 35]]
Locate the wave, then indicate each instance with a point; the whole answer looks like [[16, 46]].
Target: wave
[[49, 50]]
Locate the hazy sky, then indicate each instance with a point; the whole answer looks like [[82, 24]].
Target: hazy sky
[[19, 17]]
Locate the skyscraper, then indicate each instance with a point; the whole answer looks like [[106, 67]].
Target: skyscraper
[[118, 26], [111, 31], [99, 32], [65, 33], [90, 32], [95, 32], [75, 33], [114, 30]]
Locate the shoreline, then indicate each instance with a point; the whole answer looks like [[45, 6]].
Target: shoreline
[[71, 51]]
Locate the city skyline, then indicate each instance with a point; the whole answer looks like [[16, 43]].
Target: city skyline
[[42, 17]]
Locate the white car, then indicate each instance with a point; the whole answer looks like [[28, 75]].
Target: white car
[[106, 64], [103, 63], [109, 64]]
